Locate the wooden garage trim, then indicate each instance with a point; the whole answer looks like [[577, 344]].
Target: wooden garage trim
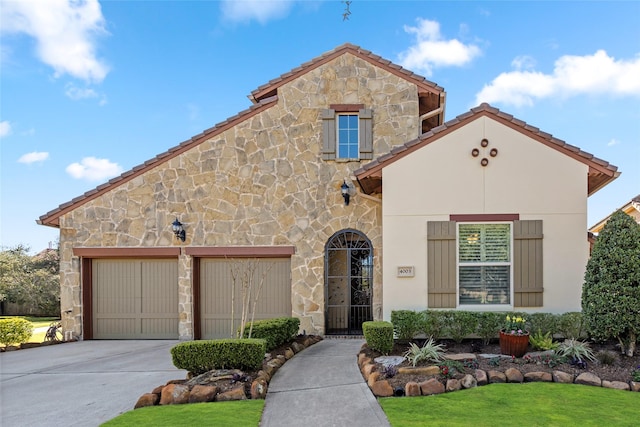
[[127, 252], [89, 254], [241, 251]]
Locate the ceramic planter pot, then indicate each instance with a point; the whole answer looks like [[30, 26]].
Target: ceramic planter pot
[[514, 345]]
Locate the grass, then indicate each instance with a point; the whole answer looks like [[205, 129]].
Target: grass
[[223, 414], [530, 404]]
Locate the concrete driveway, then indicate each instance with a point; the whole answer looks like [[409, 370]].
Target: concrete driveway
[[81, 383]]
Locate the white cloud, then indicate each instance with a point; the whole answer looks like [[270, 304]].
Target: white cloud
[[523, 62], [431, 50], [65, 32], [5, 128], [34, 157], [93, 169], [613, 142], [259, 10], [76, 93], [572, 75]]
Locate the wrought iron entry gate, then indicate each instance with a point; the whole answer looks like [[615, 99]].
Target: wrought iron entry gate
[[348, 282]]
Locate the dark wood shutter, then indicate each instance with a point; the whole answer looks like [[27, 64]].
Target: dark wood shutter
[[527, 263], [328, 134], [441, 264], [365, 134]]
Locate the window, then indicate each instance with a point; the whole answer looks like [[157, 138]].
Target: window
[[347, 136], [347, 132], [484, 264]]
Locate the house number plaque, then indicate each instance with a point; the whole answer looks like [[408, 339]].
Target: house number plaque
[[406, 271]]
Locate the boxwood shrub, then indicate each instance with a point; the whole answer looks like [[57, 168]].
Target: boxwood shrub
[[406, 324], [275, 332], [15, 330], [202, 356], [379, 336]]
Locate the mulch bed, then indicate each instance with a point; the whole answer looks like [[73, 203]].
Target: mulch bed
[[620, 370]]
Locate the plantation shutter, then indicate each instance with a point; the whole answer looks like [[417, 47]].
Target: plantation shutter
[[328, 134], [365, 134], [441, 264], [527, 257]]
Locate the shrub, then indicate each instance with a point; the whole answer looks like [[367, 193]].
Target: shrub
[[202, 356], [607, 357], [461, 324], [429, 352], [577, 351], [275, 332], [545, 323], [433, 323], [611, 291], [379, 336], [489, 324], [15, 331], [406, 324], [571, 325], [540, 341]]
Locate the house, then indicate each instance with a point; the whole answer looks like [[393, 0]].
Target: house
[[631, 208], [348, 195]]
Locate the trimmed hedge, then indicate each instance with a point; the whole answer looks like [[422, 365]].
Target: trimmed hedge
[[406, 324], [199, 357], [275, 332], [15, 331], [379, 336]]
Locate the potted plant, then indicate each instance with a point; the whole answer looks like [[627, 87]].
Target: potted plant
[[514, 339]]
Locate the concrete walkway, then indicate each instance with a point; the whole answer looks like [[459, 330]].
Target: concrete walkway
[[322, 386]]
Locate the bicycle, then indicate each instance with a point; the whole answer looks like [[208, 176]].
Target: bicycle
[[54, 333]]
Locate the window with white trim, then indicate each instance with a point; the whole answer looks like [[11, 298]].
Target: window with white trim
[[347, 136], [484, 259], [347, 133]]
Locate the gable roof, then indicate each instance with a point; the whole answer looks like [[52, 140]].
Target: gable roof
[[270, 89], [263, 97], [629, 208], [600, 172]]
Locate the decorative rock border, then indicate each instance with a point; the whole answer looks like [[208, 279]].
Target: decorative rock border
[[381, 387], [189, 390]]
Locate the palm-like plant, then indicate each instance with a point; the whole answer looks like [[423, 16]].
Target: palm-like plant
[[429, 352]]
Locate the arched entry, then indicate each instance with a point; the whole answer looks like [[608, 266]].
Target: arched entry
[[348, 273]]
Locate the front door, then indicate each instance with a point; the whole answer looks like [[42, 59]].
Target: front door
[[348, 282]]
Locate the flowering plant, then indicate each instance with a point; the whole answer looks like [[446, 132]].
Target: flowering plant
[[514, 325]]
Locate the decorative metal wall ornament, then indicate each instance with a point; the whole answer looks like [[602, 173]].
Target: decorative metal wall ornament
[[484, 143]]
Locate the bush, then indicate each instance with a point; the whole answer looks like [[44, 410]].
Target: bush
[[15, 331], [275, 332], [576, 351], [406, 324], [571, 325], [611, 291], [489, 324], [545, 323], [379, 336], [433, 323], [540, 341], [461, 324], [430, 352], [202, 356]]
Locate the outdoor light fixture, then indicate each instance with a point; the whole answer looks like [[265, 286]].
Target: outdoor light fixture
[[178, 230], [344, 188]]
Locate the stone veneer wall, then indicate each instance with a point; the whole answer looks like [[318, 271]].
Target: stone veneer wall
[[260, 183]]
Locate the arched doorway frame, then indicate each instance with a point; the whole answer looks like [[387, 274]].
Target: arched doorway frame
[[348, 282]]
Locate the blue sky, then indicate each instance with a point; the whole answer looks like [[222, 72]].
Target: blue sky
[[91, 89]]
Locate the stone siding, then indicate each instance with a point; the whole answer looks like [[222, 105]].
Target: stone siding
[[261, 182]]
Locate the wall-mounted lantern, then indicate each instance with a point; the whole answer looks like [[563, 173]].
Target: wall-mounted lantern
[[344, 189], [178, 230]]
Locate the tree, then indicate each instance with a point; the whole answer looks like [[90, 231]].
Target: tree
[[243, 272], [611, 291], [32, 281]]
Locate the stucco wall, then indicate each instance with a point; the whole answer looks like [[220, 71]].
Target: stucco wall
[[259, 183], [525, 178]]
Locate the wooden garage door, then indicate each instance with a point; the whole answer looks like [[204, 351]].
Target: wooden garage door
[[135, 299], [216, 283]]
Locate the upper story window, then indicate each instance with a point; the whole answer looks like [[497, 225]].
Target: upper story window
[[347, 132]]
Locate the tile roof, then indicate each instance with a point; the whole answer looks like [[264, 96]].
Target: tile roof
[[601, 172]]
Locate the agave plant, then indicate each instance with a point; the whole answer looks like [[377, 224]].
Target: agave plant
[[576, 351], [429, 352]]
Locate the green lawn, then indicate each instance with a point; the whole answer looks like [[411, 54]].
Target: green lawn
[[245, 413], [530, 404]]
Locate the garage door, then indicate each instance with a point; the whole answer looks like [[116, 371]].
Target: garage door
[[216, 281], [135, 299]]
